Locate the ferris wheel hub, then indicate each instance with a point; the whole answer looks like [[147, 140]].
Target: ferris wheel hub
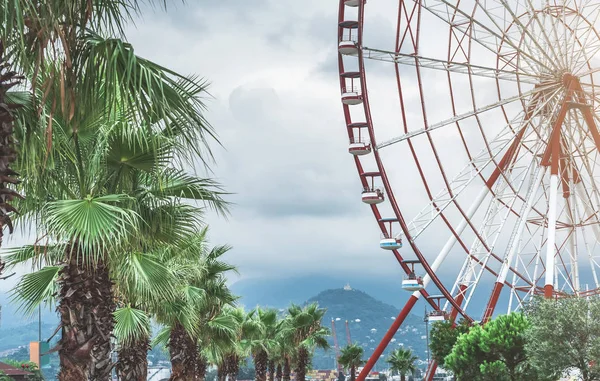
[[567, 78]]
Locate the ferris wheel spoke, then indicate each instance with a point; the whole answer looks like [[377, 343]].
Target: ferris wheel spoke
[[460, 117], [448, 66], [445, 10], [473, 170], [491, 230], [589, 43], [523, 29]]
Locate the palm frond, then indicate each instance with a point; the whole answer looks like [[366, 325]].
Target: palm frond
[[95, 223], [162, 337], [36, 288], [131, 325], [36, 254], [177, 183], [142, 279]]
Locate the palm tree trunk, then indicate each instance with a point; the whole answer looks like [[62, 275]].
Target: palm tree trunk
[[261, 359], [353, 373], [271, 370], [302, 364], [183, 352], [286, 369], [86, 311], [221, 372], [402, 377], [7, 148], [233, 368], [133, 361], [102, 364], [278, 372], [201, 366]]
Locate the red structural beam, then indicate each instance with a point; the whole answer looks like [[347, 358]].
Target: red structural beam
[[388, 337]]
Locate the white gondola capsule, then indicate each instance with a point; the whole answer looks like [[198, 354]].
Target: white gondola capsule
[[348, 48], [372, 196], [351, 97], [390, 244], [359, 148], [409, 284], [352, 3], [437, 316]]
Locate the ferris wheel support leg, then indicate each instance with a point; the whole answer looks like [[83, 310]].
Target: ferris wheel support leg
[[514, 243], [550, 244], [388, 336], [573, 245]]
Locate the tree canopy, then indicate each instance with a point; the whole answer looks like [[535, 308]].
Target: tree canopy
[[565, 334], [495, 351], [443, 336]]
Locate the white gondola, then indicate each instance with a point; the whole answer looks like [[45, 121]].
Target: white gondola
[[372, 196], [351, 98], [390, 244], [348, 48], [352, 3], [412, 284], [359, 148], [437, 316]]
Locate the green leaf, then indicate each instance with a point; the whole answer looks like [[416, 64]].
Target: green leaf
[[95, 223], [36, 288], [131, 325]]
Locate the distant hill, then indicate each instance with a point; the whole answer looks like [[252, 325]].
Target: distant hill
[[14, 337], [11, 317], [280, 292], [368, 320]]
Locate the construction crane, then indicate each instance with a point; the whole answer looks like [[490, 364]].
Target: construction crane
[[348, 338], [337, 347]]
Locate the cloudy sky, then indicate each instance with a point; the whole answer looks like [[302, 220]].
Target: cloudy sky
[[276, 107]]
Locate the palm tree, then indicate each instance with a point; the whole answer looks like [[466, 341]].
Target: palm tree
[[263, 340], [85, 77], [402, 361], [81, 47], [142, 284], [122, 194], [351, 358], [194, 315], [307, 334], [8, 79], [283, 352]]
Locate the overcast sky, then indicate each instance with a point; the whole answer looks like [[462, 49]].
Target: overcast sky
[[276, 107]]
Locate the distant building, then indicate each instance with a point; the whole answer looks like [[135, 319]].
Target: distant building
[[15, 373], [347, 287]]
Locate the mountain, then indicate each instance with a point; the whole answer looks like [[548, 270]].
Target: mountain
[[368, 321], [14, 337], [11, 317], [280, 292]]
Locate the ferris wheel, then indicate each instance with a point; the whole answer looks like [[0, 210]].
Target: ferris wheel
[[477, 145]]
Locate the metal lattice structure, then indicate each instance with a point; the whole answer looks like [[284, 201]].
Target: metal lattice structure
[[490, 125]]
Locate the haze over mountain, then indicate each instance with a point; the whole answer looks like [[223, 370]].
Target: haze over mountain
[[280, 292]]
